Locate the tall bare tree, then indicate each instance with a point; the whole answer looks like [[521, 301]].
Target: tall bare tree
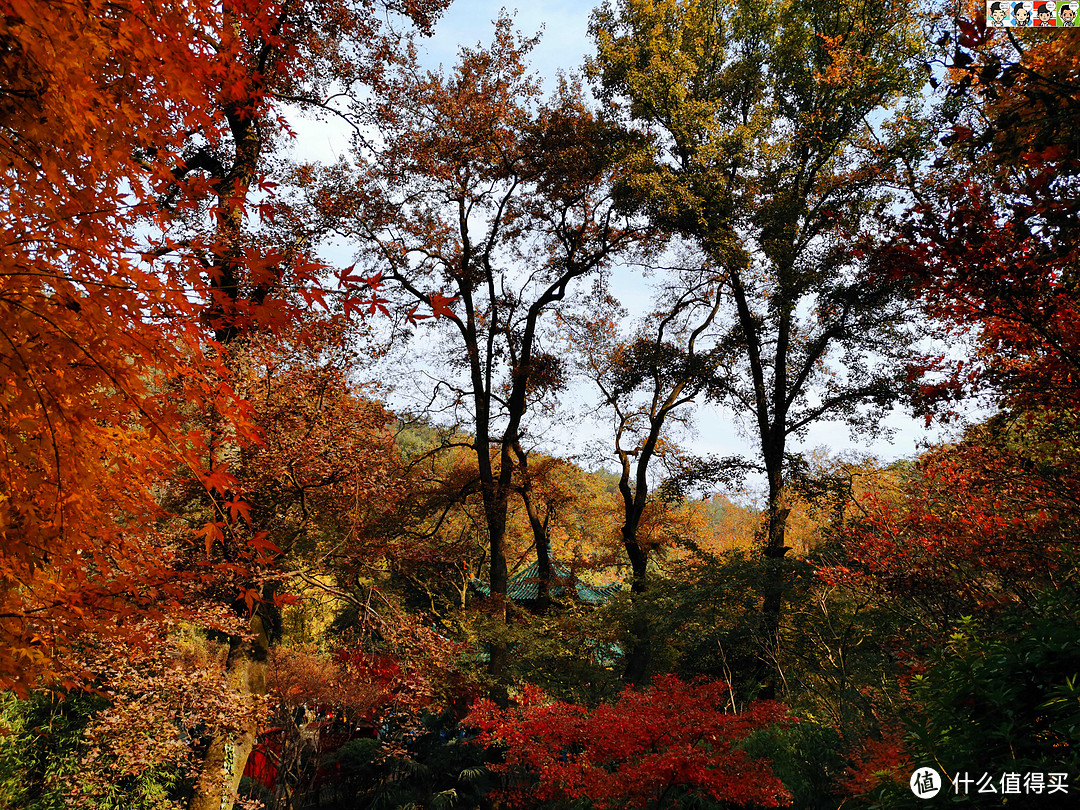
[[485, 206]]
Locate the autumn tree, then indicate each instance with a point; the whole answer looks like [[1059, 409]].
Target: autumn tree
[[990, 246], [539, 522], [970, 557], [321, 476], [731, 524], [975, 544], [646, 380], [268, 60], [327, 466], [486, 206], [91, 132], [128, 742], [130, 157], [437, 533], [990, 240], [764, 154], [976, 527], [289, 54], [566, 514]]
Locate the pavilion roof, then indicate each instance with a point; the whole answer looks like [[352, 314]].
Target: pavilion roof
[[524, 586]]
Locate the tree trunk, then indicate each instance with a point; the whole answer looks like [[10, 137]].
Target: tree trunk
[[774, 589], [228, 754], [495, 506], [543, 563], [640, 652], [542, 541], [774, 586]]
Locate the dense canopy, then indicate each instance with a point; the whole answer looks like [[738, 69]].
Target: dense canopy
[[388, 481]]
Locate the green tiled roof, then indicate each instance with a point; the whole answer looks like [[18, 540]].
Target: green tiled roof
[[524, 586]]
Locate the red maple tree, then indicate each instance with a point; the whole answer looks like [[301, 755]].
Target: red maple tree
[[979, 525], [991, 241], [98, 100], [133, 143], [640, 752]]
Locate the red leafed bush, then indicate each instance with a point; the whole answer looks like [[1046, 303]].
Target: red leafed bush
[[878, 762], [641, 752], [981, 524]]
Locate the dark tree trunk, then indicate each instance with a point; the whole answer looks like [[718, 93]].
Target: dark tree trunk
[[774, 582], [228, 753], [542, 541], [543, 563], [639, 655], [495, 505]]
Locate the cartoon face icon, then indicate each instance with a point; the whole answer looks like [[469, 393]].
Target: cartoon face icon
[[1068, 14], [998, 14], [1045, 13], [1021, 14]]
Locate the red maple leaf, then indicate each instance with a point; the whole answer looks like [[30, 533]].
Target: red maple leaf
[[440, 305]]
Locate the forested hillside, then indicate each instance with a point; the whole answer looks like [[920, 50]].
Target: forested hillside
[[237, 571]]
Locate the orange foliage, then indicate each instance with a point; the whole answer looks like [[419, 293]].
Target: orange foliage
[[665, 527], [90, 332], [122, 251], [732, 526]]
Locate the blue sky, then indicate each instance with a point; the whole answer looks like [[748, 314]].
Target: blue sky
[[468, 22]]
